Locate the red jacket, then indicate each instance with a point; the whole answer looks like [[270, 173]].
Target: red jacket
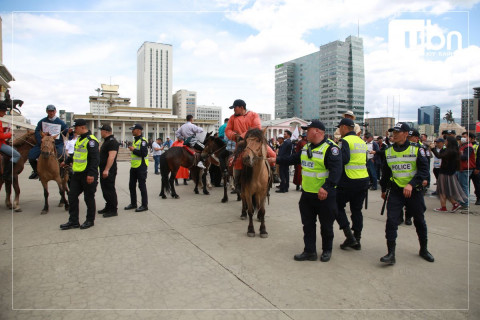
[[4, 136], [241, 124], [468, 164]]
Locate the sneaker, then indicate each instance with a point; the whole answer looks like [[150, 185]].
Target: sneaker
[[442, 209], [200, 165], [455, 207]]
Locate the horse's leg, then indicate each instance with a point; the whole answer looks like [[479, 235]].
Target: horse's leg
[[244, 210], [251, 230], [194, 171], [172, 184], [204, 180], [8, 191], [65, 190], [61, 191], [16, 187], [261, 217], [45, 195], [225, 180]]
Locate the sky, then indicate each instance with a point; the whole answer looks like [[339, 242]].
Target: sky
[[60, 51]]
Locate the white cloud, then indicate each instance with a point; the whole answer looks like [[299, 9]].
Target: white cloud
[[27, 25]]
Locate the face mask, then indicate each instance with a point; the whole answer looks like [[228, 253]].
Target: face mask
[[464, 140]]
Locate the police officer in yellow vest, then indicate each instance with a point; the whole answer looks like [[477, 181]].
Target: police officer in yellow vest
[[353, 185], [138, 171], [85, 160], [321, 171], [405, 168]]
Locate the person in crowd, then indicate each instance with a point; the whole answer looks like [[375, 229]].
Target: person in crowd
[[108, 171], [85, 176], [221, 130], [475, 176], [377, 159], [285, 150], [405, 168], [321, 162], [297, 176], [448, 186], [353, 185], [372, 150], [188, 132], [167, 144], [437, 162], [54, 125], [348, 115], [158, 148], [5, 148], [138, 170], [467, 165], [182, 173]]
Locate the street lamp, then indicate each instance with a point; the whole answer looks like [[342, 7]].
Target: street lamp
[[98, 109]]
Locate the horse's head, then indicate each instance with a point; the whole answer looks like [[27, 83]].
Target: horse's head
[[47, 147], [212, 145], [255, 147], [27, 138]]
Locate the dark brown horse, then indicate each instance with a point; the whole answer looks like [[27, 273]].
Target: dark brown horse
[[49, 169], [170, 162], [215, 150], [22, 144], [255, 179]]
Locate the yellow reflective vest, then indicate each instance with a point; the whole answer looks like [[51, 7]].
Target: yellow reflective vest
[[356, 168], [135, 160], [81, 153], [314, 172], [403, 164]]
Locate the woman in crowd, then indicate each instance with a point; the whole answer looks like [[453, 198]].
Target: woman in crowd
[[448, 186]]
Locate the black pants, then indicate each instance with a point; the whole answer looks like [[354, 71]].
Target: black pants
[[355, 197], [436, 172], [311, 207], [109, 191], [138, 174], [284, 177], [476, 184], [78, 184], [415, 205]]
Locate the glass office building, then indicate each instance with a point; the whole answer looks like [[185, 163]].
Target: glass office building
[[429, 115]]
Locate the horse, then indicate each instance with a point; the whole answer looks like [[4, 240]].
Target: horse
[[171, 160], [215, 150], [255, 179], [22, 144], [48, 169]]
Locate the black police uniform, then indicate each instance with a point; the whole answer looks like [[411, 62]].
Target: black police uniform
[[139, 174], [396, 201], [108, 184], [311, 207], [78, 182], [353, 191]]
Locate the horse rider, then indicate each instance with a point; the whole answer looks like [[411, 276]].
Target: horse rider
[[5, 148], [85, 176], [188, 132], [405, 167], [237, 126], [321, 162], [54, 125], [353, 185], [138, 170]]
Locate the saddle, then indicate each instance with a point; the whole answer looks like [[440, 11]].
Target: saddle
[[195, 153]]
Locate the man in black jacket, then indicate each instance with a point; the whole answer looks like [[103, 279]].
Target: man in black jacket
[[285, 150]]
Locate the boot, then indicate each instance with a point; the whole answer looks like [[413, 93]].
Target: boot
[[424, 252], [358, 236], [350, 241], [7, 171], [390, 257], [236, 174], [34, 174]]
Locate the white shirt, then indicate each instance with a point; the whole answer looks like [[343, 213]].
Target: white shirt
[[369, 148], [436, 161], [155, 152], [188, 130], [70, 145]]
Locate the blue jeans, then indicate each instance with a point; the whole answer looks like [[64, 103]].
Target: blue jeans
[[157, 163], [372, 173], [9, 151], [464, 179]]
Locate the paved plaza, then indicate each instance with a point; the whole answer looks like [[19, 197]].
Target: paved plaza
[[191, 259]]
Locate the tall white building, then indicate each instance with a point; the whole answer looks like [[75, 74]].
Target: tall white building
[[154, 75], [184, 103], [209, 113], [107, 97]]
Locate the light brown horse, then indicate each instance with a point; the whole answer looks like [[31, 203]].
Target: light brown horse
[[49, 169], [255, 179], [22, 144]]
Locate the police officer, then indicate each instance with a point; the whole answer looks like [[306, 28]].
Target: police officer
[[321, 171], [108, 171], [85, 176], [138, 171], [405, 168], [353, 184]]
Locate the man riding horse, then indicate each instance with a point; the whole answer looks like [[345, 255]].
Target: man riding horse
[[53, 125], [188, 131], [5, 148], [239, 123]]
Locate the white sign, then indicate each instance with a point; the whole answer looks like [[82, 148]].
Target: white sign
[[52, 128]]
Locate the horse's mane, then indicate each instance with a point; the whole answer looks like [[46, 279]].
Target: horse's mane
[[23, 138], [255, 133]]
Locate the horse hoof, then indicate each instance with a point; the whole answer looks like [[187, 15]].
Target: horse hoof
[[176, 196], [243, 217], [44, 212], [196, 191], [67, 207], [224, 200], [164, 197], [206, 192], [251, 234], [264, 235], [18, 210], [60, 205]]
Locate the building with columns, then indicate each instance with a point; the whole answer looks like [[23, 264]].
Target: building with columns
[[278, 126], [107, 97]]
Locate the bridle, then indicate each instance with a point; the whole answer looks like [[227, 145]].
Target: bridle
[[255, 156]]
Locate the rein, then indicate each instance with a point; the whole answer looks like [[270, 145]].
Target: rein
[[255, 156]]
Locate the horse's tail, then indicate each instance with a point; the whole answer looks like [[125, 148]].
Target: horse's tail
[[165, 170]]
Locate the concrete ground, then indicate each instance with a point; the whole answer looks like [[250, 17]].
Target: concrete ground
[[191, 259]]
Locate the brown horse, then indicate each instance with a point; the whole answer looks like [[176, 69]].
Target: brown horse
[[22, 144], [49, 169], [255, 179], [170, 162]]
